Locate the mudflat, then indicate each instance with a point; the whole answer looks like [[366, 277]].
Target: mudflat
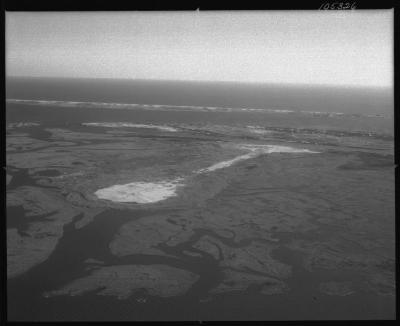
[[193, 214]]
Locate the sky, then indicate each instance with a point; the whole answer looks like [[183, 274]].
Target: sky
[[349, 48]]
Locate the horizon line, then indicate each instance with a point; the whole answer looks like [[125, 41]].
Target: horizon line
[[388, 87]]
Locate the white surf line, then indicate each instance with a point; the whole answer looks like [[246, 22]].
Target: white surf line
[[162, 106], [258, 130], [22, 124], [112, 105], [140, 192], [128, 125], [255, 150], [128, 105]]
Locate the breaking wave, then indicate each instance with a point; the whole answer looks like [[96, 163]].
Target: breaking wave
[[22, 124], [128, 125], [108, 105], [258, 130]]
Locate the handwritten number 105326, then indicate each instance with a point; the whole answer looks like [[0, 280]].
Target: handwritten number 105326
[[338, 6]]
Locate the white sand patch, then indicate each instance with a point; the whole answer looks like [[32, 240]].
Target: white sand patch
[[255, 150], [128, 125], [225, 164], [139, 192], [267, 149]]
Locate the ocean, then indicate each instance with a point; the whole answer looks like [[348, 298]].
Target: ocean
[[166, 200]]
